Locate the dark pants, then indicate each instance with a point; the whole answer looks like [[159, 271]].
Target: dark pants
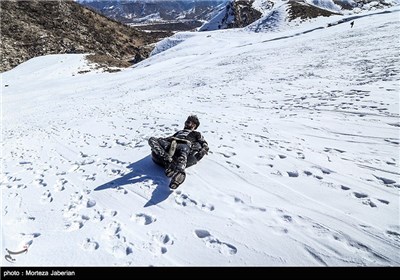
[[160, 148], [181, 156]]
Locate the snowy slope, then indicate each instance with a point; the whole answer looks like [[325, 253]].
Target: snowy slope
[[303, 169]]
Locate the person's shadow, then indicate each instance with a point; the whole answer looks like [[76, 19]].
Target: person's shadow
[[142, 171]]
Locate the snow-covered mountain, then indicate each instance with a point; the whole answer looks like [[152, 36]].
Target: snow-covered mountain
[[303, 170], [154, 11], [266, 15]]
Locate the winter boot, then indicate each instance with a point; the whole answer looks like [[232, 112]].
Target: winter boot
[[177, 179]]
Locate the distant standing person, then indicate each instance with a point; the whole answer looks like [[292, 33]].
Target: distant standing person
[[351, 24]]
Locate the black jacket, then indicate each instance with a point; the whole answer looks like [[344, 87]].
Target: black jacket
[[197, 141]]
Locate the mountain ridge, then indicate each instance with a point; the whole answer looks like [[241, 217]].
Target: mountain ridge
[[263, 13]]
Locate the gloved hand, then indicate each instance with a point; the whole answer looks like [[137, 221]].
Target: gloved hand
[[200, 154]]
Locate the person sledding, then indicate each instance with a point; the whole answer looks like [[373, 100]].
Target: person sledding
[[179, 151]]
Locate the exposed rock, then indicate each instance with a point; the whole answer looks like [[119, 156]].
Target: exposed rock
[[236, 14], [265, 15], [301, 10], [244, 13]]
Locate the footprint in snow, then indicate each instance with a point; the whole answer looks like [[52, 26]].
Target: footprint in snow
[[143, 219], [109, 213], [227, 154], [159, 242], [212, 242], [29, 236], [23, 218], [184, 200], [40, 182], [60, 185], [120, 250], [161, 238], [360, 195], [77, 222], [383, 201], [293, 173], [46, 197], [121, 190], [89, 244], [394, 234], [155, 249], [287, 218], [73, 226], [90, 203], [369, 202], [364, 199], [112, 230], [324, 170], [207, 207], [386, 181], [300, 155], [231, 164], [245, 207], [91, 177], [97, 216], [17, 186]]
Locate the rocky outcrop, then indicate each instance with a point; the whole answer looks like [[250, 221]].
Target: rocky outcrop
[[303, 11], [35, 28], [267, 14], [236, 14], [244, 14]]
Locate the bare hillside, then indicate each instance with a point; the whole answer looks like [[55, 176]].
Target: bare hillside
[[35, 28]]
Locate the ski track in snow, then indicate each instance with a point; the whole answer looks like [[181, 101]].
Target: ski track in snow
[[302, 168]]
